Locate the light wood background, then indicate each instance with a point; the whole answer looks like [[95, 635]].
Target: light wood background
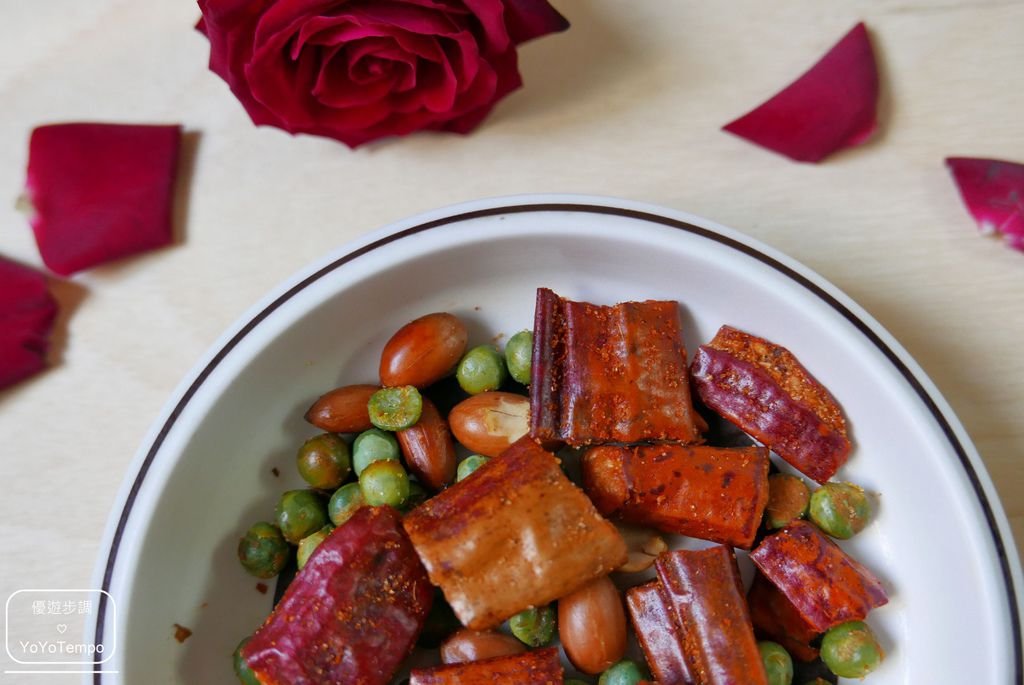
[[628, 102]]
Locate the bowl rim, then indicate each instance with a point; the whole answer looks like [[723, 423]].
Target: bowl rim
[[939, 409]]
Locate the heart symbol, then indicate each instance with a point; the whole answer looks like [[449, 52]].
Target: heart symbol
[[62, 628]]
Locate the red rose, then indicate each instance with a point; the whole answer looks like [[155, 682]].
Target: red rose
[[358, 70]]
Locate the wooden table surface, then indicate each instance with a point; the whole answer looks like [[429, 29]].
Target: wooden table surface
[[628, 102]]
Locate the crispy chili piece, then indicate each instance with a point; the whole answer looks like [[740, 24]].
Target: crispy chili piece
[[712, 493], [825, 585], [352, 614], [659, 635], [537, 667], [706, 593], [777, 619], [609, 374], [762, 388], [515, 535]]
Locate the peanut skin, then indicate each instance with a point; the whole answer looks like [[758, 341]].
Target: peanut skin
[[474, 645], [343, 410], [428, 448], [592, 626], [423, 351]]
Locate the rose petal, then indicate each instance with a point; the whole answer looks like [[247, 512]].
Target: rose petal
[[412, 19], [993, 192], [438, 87], [491, 86], [830, 107], [491, 14], [463, 53], [27, 310], [229, 25], [337, 87], [100, 191], [529, 19], [280, 57]]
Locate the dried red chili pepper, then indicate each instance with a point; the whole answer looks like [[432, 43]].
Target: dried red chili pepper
[[537, 667], [354, 611], [776, 618], [659, 635], [712, 493], [825, 585], [609, 374], [764, 390], [705, 591]]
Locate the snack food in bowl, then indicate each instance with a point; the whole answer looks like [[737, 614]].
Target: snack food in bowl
[[206, 472]]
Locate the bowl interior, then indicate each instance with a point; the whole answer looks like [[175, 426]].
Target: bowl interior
[[213, 475]]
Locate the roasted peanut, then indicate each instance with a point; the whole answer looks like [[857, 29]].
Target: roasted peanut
[[428, 448], [643, 545], [489, 422], [473, 645], [343, 410], [423, 351], [592, 626]]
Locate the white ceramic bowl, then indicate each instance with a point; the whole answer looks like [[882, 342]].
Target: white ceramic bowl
[[940, 543]]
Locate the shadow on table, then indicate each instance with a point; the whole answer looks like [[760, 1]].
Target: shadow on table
[[563, 68]]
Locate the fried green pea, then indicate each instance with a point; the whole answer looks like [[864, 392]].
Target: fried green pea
[[300, 513], [518, 356], [373, 445], [310, 543], [625, 672], [778, 665], [323, 461], [480, 370], [395, 409], [263, 550], [242, 670], [788, 497], [850, 650], [384, 482], [469, 465], [840, 509], [534, 627], [345, 501]]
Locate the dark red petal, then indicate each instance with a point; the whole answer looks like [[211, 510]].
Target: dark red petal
[[491, 15], [830, 107], [101, 191], [230, 25], [529, 19], [408, 18], [27, 310], [493, 82], [993, 192]]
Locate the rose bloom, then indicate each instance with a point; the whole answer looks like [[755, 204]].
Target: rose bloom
[[358, 70]]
